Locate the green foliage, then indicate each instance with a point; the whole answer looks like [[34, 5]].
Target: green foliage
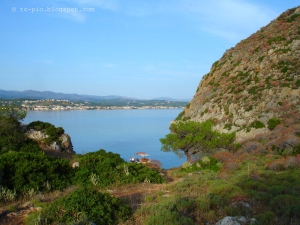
[[7, 195], [286, 205], [228, 126], [190, 137], [11, 134], [267, 218], [53, 132], [206, 163], [293, 17], [86, 204], [179, 117], [260, 59], [31, 146], [253, 90], [172, 211], [257, 124], [277, 39], [111, 169], [273, 122], [249, 108], [13, 112], [296, 149], [24, 171]]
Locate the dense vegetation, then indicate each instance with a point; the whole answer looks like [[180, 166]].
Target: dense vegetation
[[103, 169], [11, 131], [85, 206], [263, 187], [25, 172], [191, 137]]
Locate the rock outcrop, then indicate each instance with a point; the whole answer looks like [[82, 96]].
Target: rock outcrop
[[254, 81], [228, 220], [64, 143]]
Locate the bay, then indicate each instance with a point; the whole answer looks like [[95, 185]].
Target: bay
[[119, 131]]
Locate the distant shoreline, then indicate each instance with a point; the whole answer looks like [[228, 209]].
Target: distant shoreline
[[109, 108]]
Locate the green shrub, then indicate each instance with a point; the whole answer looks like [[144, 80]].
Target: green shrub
[[253, 90], [111, 169], [30, 146], [27, 171], [53, 132], [7, 195], [257, 124], [267, 218], [166, 217], [225, 190], [179, 117], [273, 122], [12, 135], [206, 163], [260, 59], [172, 211], [286, 205], [296, 150], [89, 205]]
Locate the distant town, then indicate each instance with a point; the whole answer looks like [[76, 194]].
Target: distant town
[[53, 104]]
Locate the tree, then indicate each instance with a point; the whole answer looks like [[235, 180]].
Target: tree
[[11, 131], [190, 137], [13, 112]]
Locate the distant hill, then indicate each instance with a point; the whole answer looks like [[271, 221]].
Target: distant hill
[[41, 95], [30, 94]]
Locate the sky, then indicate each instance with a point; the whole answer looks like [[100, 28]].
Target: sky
[[141, 49]]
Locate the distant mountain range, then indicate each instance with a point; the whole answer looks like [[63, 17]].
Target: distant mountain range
[[31, 94]]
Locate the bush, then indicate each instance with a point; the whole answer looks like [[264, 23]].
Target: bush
[[109, 169], [206, 163], [267, 218], [273, 122], [257, 124], [86, 205], [12, 135], [286, 205], [169, 212], [48, 128], [30, 146], [27, 171], [166, 217]]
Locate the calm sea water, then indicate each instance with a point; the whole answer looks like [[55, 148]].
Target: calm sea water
[[120, 131]]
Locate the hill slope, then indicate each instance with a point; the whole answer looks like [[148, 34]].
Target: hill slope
[[58, 96], [254, 81]]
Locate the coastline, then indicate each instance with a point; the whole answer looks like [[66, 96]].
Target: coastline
[[97, 108]]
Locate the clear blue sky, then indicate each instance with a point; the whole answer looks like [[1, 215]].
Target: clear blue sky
[[142, 49]]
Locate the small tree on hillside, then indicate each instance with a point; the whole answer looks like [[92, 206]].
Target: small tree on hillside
[[190, 137]]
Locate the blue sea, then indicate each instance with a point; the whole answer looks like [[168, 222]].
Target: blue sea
[[119, 131]]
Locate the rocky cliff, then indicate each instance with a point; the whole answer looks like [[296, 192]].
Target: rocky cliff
[[254, 83]]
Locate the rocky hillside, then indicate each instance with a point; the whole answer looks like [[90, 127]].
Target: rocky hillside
[[255, 85]]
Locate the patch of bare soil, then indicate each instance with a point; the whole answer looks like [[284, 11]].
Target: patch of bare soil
[[134, 194], [18, 216]]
